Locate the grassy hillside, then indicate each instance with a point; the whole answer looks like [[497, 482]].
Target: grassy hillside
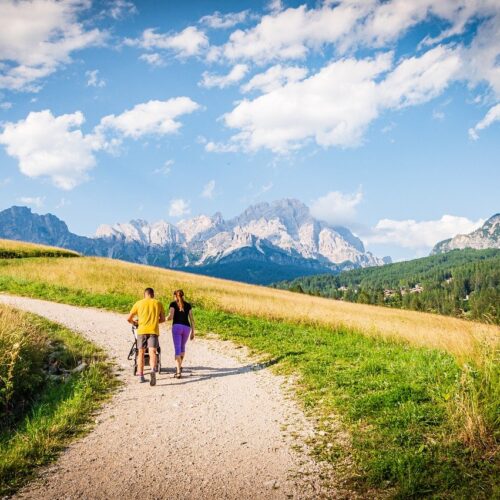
[[406, 402], [462, 283], [10, 249], [39, 414]]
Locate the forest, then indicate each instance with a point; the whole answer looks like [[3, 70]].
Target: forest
[[461, 283]]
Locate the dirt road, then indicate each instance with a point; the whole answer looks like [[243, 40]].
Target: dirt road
[[216, 433]]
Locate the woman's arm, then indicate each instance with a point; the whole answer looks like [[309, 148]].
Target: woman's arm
[[170, 314], [191, 320]]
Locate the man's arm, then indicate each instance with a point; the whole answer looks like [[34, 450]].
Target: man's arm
[[131, 317], [162, 315]]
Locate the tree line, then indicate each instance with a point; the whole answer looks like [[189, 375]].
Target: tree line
[[461, 283]]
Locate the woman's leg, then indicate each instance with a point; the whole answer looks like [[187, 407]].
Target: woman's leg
[[186, 331], [178, 364], [177, 338]]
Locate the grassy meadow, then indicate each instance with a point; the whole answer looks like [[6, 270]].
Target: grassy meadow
[[40, 414], [107, 277], [19, 249], [406, 403]]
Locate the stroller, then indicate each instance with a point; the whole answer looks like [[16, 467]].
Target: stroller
[[134, 352]]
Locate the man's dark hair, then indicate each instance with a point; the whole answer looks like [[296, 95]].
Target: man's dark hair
[[150, 292]]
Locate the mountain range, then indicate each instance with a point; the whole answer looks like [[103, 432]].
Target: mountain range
[[266, 243], [487, 236]]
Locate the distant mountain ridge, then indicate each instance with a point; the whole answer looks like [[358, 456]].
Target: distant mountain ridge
[[266, 242], [487, 236]]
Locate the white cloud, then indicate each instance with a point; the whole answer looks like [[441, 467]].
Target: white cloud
[[438, 115], [152, 117], [5, 105], [236, 74], [165, 169], [291, 33], [275, 77], [480, 58], [153, 59], [34, 201], [491, 116], [188, 42], [418, 79], [50, 146], [423, 234], [335, 105], [208, 190], [336, 207], [118, 9], [36, 37], [275, 6], [63, 202], [93, 79], [178, 208], [267, 187], [55, 146], [224, 21], [221, 147]]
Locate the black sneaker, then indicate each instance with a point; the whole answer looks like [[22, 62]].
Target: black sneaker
[[142, 379], [152, 380]]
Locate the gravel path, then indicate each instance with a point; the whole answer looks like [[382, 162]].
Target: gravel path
[[216, 433]]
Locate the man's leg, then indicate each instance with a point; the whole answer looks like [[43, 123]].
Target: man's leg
[[140, 362], [152, 358]]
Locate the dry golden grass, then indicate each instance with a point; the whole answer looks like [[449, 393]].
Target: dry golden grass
[[98, 275], [21, 345], [22, 248]]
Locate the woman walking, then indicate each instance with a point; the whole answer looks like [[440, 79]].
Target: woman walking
[[181, 314]]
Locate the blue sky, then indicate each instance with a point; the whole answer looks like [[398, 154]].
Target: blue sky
[[383, 116]]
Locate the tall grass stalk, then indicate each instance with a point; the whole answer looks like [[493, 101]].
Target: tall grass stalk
[[475, 407]]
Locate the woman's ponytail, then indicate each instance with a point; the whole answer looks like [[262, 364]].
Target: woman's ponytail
[[179, 298]]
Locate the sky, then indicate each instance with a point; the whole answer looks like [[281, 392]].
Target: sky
[[380, 116]]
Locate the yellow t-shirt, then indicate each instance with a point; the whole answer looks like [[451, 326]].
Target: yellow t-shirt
[[148, 314]]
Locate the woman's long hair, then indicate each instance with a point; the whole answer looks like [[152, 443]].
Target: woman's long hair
[[179, 298]]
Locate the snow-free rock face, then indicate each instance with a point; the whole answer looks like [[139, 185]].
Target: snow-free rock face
[[160, 233], [20, 223], [289, 225], [282, 233], [202, 227], [487, 236]]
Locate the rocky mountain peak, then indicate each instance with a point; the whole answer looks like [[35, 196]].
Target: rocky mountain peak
[[282, 233], [487, 236]]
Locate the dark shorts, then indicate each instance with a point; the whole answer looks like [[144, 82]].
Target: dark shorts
[[147, 340]]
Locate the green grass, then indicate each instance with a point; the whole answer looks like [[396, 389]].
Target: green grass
[[10, 249], [58, 411], [395, 401]]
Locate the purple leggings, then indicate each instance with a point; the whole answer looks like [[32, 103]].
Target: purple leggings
[[180, 334]]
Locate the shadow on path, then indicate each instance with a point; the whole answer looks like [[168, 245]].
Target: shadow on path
[[202, 373]]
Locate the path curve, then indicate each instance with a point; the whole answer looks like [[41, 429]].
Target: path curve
[[216, 433]]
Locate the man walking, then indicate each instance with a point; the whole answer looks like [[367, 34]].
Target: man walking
[[147, 314]]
